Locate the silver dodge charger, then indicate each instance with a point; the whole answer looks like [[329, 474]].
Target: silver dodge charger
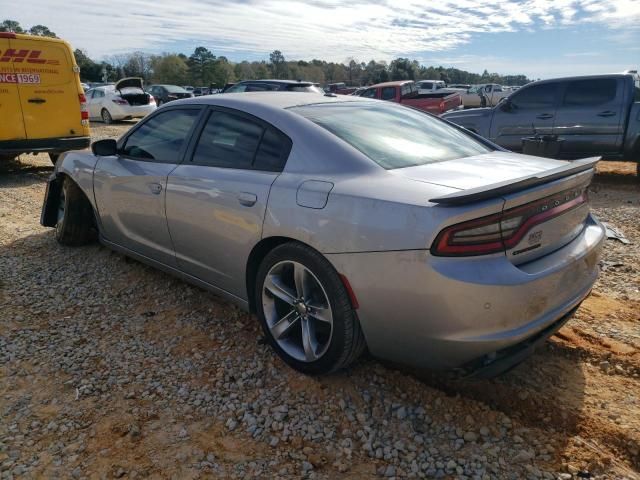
[[345, 224]]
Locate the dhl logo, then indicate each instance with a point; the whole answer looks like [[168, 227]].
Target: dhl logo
[[26, 56]]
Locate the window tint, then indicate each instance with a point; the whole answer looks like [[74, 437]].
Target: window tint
[[590, 92], [228, 141], [537, 96], [388, 93], [369, 93], [237, 88], [273, 151], [426, 85], [260, 87], [161, 137], [391, 135]]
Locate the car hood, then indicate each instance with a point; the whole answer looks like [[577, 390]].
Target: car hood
[[480, 170], [130, 82], [471, 113]]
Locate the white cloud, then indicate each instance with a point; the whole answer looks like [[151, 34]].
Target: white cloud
[[326, 29]]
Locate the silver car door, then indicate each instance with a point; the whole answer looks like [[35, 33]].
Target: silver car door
[[531, 110], [589, 119], [130, 188], [216, 199]]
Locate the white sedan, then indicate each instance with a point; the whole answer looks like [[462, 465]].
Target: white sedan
[[124, 100]]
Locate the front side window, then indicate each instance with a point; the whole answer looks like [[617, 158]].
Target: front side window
[[161, 137], [583, 93], [239, 88], [369, 93], [535, 97], [388, 93], [391, 135]]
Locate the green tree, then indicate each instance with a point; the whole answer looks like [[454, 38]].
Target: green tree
[[202, 66], [11, 26], [171, 69], [90, 71], [278, 65], [42, 31]]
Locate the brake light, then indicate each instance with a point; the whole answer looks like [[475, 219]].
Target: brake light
[[442, 105], [120, 101], [505, 230], [84, 108], [7, 35]]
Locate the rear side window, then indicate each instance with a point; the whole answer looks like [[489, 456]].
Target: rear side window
[[161, 137], [590, 92], [388, 93], [537, 96], [369, 93], [236, 141]]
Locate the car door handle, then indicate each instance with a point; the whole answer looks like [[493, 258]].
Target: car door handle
[[36, 100], [544, 116], [607, 113], [154, 188], [247, 199]]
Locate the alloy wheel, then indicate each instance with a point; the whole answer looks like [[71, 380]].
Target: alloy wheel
[[297, 311]]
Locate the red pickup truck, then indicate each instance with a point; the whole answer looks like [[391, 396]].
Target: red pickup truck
[[406, 92]]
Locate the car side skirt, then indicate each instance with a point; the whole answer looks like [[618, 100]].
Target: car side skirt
[[240, 302]]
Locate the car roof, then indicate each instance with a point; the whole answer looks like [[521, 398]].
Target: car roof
[[395, 83], [275, 100], [284, 82]]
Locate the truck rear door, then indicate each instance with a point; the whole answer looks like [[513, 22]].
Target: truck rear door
[[11, 126], [530, 110], [49, 93], [590, 117]]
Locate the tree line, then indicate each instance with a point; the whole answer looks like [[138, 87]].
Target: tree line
[[203, 68]]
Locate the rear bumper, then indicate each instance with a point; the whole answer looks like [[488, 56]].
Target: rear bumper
[[119, 112], [445, 313], [54, 145]]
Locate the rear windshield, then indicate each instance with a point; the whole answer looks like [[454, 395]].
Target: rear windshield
[[304, 88], [391, 135], [174, 89]]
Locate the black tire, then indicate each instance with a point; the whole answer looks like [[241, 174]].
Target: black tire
[[347, 342], [75, 224], [158, 102], [106, 117], [54, 157]]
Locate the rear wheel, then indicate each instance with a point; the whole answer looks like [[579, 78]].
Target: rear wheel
[[305, 310], [75, 225], [106, 116]]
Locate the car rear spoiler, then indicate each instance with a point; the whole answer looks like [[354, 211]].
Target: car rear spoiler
[[510, 186]]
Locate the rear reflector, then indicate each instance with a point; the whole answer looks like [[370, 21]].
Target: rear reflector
[[84, 108], [505, 230], [350, 292]]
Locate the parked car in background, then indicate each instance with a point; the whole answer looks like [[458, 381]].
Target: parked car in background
[[85, 86], [358, 91], [345, 224], [340, 88], [199, 91], [427, 86], [168, 93], [188, 88], [406, 92], [274, 85], [591, 115], [123, 101], [485, 95], [41, 109], [459, 86]]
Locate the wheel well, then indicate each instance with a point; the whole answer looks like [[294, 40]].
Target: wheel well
[[260, 250], [61, 178]]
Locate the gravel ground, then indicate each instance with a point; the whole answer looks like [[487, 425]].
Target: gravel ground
[[111, 369]]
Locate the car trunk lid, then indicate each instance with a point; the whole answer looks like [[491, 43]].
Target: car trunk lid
[[545, 201], [131, 89]]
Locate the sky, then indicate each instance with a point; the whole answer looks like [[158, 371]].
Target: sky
[[538, 38]]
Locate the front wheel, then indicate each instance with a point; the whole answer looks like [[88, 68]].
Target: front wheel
[[305, 311], [75, 225], [106, 116]]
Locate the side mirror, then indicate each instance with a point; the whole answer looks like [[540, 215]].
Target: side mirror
[[105, 148]]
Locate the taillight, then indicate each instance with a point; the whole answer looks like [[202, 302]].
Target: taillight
[[84, 108], [501, 231], [120, 101], [442, 106], [151, 99]]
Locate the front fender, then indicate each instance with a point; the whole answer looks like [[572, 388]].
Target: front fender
[[78, 166]]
